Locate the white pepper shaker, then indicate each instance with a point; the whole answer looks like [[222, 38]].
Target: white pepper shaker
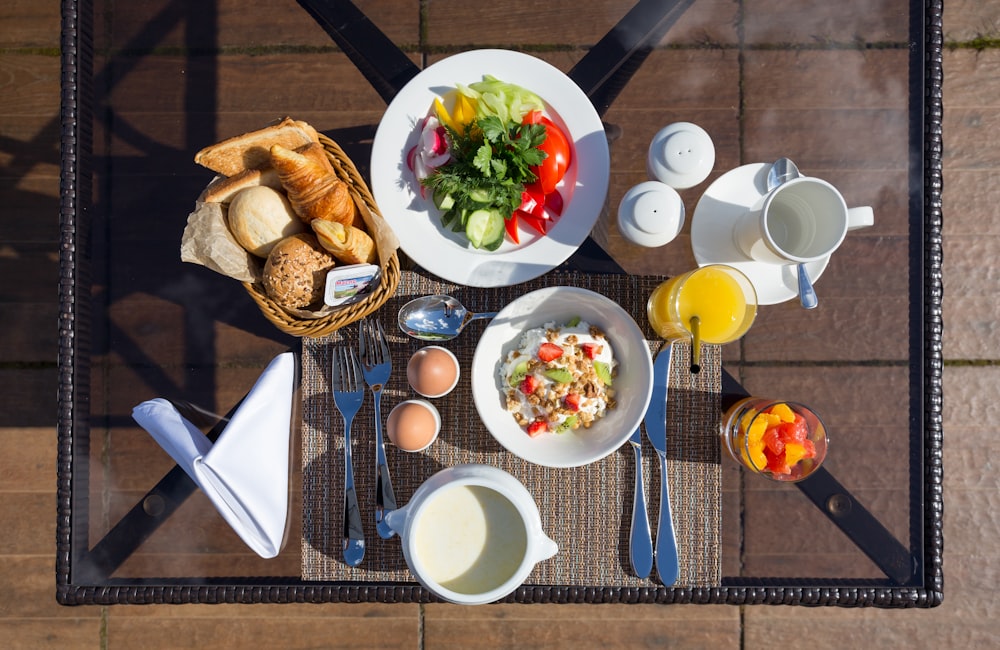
[[681, 155], [650, 214]]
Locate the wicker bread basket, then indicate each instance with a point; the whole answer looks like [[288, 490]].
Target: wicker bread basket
[[316, 327]]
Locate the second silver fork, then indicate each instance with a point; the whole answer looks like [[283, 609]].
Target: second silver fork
[[376, 363], [348, 394]]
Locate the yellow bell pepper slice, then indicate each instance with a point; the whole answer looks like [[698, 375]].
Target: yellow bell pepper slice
[[444, 117], [465, 109]]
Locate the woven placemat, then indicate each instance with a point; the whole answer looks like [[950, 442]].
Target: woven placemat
[[586, 510]]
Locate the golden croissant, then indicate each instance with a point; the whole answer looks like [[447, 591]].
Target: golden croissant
[[313, 188], [347, 244]]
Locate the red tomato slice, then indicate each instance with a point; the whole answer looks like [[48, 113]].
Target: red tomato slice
[[557, 149]]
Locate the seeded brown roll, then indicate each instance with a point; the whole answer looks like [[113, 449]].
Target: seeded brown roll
[[295, 272]]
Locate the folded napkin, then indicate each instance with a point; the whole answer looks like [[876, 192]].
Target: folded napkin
[[245, 473]]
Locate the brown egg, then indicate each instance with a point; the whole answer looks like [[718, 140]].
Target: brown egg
[[413, 425], [432, 371]]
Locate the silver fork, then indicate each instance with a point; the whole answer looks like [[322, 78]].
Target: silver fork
[[377, 366], [348, 394]]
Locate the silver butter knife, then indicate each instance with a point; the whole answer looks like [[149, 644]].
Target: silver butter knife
[[667, 566], [640, 542]]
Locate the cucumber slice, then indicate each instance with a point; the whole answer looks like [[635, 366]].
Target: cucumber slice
[[449, 216], [485, 229], [443, 201], [479, 195]]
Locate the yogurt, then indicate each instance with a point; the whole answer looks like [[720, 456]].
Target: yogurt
[[589, 362]]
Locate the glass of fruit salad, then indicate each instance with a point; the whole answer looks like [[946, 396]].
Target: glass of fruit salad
[[781, 440]]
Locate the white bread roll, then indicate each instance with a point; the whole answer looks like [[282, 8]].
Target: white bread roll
[[260, 217]]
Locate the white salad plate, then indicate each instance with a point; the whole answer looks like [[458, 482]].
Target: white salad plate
[[727, 199], [415, 219], [633, 383]]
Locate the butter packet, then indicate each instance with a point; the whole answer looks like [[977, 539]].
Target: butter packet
[[349, 284]]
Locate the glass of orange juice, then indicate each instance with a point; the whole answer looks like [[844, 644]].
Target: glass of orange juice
[[777, 439], [713, 304]]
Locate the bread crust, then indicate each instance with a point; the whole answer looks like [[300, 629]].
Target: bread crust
[[252, 150], [224, 188], [295, 272]]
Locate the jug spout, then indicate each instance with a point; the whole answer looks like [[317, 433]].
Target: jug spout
[[545, 547], [396, 519]]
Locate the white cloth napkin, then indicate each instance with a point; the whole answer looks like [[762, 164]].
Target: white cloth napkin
[[245, 473]]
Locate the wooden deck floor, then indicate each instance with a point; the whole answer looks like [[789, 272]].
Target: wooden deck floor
[[31, 618]]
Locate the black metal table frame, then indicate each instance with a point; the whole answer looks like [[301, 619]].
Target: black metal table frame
[[914, 572]]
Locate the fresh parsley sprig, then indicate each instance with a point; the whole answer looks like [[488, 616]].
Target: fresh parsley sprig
[[490, 157]]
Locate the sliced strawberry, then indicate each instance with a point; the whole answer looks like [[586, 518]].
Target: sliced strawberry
[[572, 401], [529, 384], [591, 350], [549, 351], [537, 428]]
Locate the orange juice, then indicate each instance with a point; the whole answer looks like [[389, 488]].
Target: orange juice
[[721, 297]]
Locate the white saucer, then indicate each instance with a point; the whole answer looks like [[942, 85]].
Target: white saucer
[[725, 201]]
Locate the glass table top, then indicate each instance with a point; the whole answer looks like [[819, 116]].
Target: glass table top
[[847, 91]]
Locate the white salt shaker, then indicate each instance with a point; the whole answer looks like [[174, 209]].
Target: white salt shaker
[[650, 214], [681, 155]]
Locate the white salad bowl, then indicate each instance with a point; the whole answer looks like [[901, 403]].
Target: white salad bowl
[[633, 384]]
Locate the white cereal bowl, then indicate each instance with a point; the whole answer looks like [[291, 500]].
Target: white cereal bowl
[[633, 385]]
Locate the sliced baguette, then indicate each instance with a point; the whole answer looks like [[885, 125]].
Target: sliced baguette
[[252, 150]]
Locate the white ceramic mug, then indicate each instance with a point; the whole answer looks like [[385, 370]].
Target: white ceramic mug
[[471, 534], [802, 220]]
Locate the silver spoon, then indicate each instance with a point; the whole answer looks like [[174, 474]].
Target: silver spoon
[[436, 318], [782, 171]]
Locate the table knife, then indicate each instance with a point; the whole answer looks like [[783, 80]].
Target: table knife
[[667, 566], [640, 541]]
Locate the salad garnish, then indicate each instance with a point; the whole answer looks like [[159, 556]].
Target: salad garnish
[[492, 161]]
